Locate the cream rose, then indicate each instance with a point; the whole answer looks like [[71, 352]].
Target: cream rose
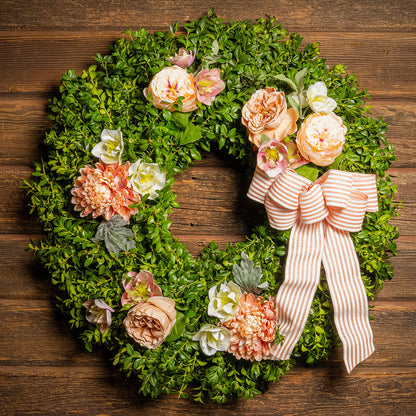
[[321, 138], [266, 113], [149, 323], [168, 85]]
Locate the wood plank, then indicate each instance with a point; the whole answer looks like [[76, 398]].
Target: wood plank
[[204, 207], [19, 319], [53, 374], [22, 127], [33, 281], [24, 122], [326, 392], [335, 15], [32, 64]]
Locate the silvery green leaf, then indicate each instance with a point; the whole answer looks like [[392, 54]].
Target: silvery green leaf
[[299, 78], [215, 47], [288, 81], [115, 235], [247, 276]]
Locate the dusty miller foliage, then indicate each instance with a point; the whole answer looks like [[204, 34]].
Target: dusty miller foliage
[[250, 55]]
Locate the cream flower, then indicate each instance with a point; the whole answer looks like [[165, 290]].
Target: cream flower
[[111, 146], [253, 328], [321, 138], [318, 99], [104, 190], [223, 301], [149, 323], [168, 85], [146, 178], [213, 338], [266, 113]]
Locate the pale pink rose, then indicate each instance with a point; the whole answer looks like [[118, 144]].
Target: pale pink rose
[[99, 313], [183, 58], [150, 322], [104, 190], [208, 85], [321, 138], [168, 85], [140, 288], [253, 328], [275, 157], [266, 113]]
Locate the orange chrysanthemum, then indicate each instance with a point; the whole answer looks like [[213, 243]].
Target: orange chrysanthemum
[[104, 190], [253, 328]]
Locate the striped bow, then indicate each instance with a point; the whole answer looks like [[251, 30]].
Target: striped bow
[[321, 215]]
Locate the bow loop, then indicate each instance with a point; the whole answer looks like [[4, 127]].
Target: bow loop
[[342, 198]]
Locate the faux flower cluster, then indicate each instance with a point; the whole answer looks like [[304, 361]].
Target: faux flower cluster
[[248, 323], [320, 137], [151, 316], [175, 84], [109, 188]]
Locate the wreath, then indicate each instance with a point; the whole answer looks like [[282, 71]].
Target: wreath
[[146, 111]]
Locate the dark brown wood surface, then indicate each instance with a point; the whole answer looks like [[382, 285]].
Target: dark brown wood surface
[[43, 368]]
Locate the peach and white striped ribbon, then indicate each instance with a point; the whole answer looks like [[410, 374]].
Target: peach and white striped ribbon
[[321, 215]]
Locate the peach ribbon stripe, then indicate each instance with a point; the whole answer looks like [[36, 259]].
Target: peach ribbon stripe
[[321, 215]]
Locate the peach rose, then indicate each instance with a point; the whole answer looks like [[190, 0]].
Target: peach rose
[[266, 113], [150, 322], [321, 138], [168, 85]]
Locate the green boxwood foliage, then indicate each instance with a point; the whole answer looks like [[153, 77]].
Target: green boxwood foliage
[[250, 55]]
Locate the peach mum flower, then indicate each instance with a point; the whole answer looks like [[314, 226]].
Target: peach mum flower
[[253, 328], [104, 190]]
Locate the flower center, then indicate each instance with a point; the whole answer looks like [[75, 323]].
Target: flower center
[[273, 154]]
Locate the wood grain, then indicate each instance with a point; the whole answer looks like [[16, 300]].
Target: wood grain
[[44, 370], [32, 64]]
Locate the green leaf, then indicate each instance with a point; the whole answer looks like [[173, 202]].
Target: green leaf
[[180, 119], [191, 134], [288, 81], [309, 172], [336, 162], [178, 328]]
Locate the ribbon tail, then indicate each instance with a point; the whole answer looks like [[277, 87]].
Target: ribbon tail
[[348, 296], [295, 296]]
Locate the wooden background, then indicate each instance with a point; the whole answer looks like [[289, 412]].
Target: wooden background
[[43, 369]]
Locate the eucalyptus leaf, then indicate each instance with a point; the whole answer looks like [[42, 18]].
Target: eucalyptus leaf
[[115, 235]]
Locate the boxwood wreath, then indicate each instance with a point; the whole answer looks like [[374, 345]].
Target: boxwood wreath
[[109, 96]]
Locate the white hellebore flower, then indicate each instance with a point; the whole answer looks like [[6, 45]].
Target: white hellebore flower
[[111, 147], [318, 99], [146, 178], [223, 301], [213, 338]]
